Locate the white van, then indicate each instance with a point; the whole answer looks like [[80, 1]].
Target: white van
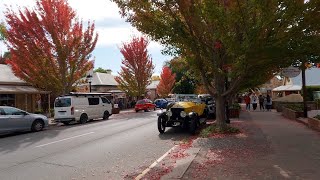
[[81, 108]]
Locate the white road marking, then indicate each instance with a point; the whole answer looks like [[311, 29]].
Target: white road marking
[[154, 164], [65, 139], [282, 172]]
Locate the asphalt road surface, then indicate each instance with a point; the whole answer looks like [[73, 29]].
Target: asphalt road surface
[[118, 148]]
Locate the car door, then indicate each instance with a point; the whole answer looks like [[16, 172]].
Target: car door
[[62, 108], [17, 119], [94, 107], [150, 104], [106, 105], [4, 122]]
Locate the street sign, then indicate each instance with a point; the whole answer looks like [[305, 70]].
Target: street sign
[[291, 72]]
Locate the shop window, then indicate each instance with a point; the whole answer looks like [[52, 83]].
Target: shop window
[[7, 100]]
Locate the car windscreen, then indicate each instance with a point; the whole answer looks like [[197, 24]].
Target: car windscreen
[[62, 102], [141, 102]]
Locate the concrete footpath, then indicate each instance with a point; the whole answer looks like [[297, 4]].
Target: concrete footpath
[[268, 147]]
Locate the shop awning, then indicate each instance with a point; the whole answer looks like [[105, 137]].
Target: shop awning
[[288, 88], [16, 89]]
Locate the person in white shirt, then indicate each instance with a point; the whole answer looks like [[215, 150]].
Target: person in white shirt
[[254, 101]]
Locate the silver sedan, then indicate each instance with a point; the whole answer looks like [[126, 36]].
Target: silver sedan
[[13, 120]]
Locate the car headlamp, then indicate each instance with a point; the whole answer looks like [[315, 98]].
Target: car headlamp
[[183, 114], [169, 113]]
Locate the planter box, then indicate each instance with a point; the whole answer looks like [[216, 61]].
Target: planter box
[[314, 123], [291, 114], [234, 113], [280, 105]]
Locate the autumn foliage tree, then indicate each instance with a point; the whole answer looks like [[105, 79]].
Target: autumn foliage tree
[[50, 48], [167, 82], [137, 67], [185, 78], [228, 39]]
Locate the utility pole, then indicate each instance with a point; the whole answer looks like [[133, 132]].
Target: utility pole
[[304, 90]]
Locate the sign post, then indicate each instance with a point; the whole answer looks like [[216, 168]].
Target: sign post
[[291, 72]]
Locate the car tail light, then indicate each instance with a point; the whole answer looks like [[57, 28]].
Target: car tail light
[[72, 110]]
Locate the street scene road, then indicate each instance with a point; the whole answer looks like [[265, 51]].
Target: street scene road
[[120, 147]]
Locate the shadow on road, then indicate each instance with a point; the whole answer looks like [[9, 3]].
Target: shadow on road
[[12, 142], [175, 134]]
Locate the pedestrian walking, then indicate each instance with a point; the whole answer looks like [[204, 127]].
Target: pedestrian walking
[[254, 101], [268, 102], [247, 100], [261, 102]]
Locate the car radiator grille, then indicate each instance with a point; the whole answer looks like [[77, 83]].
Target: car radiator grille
[[176, 113]]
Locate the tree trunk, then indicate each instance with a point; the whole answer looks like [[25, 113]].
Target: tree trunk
[[220, 102], [220, 112]]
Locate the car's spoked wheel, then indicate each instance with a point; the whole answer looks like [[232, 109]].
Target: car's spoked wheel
[[37, 126], [161, 125]]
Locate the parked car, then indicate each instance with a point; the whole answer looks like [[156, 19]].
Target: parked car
[[161, 103], [210, 102], [81, 107], [14, 120], [144, 104], [187, 112]]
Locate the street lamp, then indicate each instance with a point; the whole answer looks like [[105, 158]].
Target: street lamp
[[89, 79]]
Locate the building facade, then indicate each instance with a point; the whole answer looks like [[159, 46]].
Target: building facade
[[17, 93]]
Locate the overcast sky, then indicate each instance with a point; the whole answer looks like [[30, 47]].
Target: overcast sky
[[112, 29]]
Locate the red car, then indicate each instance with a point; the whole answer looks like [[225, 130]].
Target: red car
[[144, 104]]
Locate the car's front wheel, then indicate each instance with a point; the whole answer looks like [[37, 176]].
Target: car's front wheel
[[37, 125], [161, 125], [106, 115]]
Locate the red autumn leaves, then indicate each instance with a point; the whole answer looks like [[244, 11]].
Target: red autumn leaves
[[137, 67], [49, 47], [167, 82]]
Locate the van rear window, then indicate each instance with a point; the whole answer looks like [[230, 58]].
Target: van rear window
[[62, 102]]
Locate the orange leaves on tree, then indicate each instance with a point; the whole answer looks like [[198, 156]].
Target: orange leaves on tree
[[167, 82], [137, 67], [49, 46]]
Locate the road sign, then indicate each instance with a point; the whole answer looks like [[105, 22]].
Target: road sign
[[291, 72]]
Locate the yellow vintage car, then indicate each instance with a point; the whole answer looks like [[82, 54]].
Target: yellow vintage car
[[187, 112]]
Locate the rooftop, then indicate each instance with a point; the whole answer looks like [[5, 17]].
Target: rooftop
[[153, 85], [103, 79], [7, 76]]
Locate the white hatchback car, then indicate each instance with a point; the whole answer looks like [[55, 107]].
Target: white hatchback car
[[81, 108]]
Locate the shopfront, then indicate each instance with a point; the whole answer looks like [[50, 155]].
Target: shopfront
[[20, 96]]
